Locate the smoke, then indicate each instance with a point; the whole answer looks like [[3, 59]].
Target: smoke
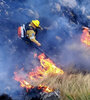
[[75, 54], [68, 3], [62, 21]]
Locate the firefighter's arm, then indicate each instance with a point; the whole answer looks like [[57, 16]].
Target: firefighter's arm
[[33, 39]]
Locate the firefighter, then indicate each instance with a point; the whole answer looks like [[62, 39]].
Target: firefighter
[[31, 30]]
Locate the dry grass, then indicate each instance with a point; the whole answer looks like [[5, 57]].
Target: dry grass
[[72, 86]]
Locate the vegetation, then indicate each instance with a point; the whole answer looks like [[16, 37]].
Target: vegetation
[[72, 86]]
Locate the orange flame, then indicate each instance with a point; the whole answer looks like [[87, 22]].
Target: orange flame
[[35, 55], [47, 66], [45, 88], [85, 38]]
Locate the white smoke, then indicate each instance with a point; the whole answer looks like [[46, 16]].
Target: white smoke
[[69, 3]]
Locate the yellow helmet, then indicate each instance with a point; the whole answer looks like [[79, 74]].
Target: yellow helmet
[[36, 22]]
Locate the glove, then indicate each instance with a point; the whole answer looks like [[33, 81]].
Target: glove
[[39, 44]]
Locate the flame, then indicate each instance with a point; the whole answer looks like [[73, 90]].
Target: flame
[[47, 66], [35, 55], [25, 84], [85, 38], [45, 88]]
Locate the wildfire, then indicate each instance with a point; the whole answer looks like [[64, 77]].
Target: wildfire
[[45, 88], [85, 38], [47, 66]]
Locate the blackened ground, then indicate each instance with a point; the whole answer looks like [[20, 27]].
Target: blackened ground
[[38, 94], [5, 97]]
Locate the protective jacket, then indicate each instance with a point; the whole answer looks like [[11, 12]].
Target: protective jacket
[[31, 33]]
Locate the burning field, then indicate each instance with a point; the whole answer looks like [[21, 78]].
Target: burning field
[[48, 79], [59, 69], [47, 67], [32, 79]]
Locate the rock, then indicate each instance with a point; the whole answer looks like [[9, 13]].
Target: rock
[[51, 96]]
